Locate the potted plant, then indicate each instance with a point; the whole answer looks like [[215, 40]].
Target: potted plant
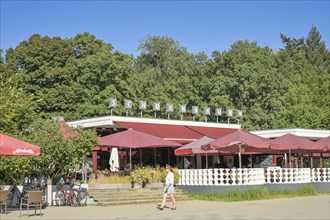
[[141, 176]]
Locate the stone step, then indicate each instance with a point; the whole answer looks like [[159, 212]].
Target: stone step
[[105, 199], [131, 196], [141, 193]]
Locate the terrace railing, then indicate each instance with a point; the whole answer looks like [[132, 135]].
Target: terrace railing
[[252, 176]]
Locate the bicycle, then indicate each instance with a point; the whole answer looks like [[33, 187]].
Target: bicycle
[[65, 194], [81, 195]]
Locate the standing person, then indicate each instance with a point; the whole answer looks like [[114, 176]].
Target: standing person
[[169, 188]]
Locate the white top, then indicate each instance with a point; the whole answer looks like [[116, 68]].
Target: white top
[[170, 178]]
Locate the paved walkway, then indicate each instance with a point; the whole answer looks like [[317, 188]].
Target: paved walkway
[[317, 207]]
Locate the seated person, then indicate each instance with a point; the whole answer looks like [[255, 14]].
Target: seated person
[[230, 164], [127, 168], [106, 172]]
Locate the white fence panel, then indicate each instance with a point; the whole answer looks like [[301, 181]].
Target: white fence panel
[[320, 175], [255, 176]]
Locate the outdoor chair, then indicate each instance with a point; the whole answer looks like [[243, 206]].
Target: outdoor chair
[[3, 199], [33, 199]]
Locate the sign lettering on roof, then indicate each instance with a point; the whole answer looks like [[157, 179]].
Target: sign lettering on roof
[[113, 103], [156, 106], [128, 103], [169, 108], [142, 105]]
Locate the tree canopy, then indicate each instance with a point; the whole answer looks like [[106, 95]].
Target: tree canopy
[[45, 77], [75, 78]]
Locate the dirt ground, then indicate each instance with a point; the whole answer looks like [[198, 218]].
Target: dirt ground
[[317, 207]]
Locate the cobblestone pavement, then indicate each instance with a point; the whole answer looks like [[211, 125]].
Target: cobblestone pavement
[[317, 207]]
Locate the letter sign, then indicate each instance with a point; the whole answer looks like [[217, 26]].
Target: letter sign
[[182, 108], [113, 103], [239, 113], [169, 108], [218, 112], [229, 112], [156, 106], [207, 111], [142, 105], [194, 110], [128, 103]]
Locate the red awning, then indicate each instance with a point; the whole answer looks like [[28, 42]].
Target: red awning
[[10, 146], [177, 133], [212, 132], [195, 148], [135, 139]]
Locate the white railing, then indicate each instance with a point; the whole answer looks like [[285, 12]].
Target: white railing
[[320, 175], [254, 176], [277, 175], [223, 177]]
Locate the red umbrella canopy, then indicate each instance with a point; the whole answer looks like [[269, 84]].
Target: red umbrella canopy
[[135, 139], [294, 143], [240, 138], [325, 143], [195, 147], [10, 146]]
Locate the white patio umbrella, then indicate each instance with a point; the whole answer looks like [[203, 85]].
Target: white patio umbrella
[[114, 160]]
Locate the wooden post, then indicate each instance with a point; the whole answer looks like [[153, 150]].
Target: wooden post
[[94, 157]]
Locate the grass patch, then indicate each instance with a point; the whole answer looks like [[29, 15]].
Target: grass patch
[[257, 193], [305, 190]]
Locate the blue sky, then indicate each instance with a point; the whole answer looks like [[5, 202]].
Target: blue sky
[[197, 25]]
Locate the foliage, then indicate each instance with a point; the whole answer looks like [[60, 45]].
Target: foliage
[[58, 154], [141, 175], [255, 194], [17, 109], [71, 77], [75, 78]]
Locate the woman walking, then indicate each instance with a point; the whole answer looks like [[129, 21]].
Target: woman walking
[[169, 188]]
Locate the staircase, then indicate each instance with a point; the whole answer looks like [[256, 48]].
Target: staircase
[[122, 196]]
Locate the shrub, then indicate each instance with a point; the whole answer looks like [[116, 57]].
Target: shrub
[[141, 175]]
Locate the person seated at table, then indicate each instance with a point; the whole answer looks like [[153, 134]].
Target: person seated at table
[[106, 172], [127, 168], [230, 164]]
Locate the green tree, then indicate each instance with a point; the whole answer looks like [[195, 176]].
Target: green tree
[[246, 78], [58, 157], [71, 77]]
